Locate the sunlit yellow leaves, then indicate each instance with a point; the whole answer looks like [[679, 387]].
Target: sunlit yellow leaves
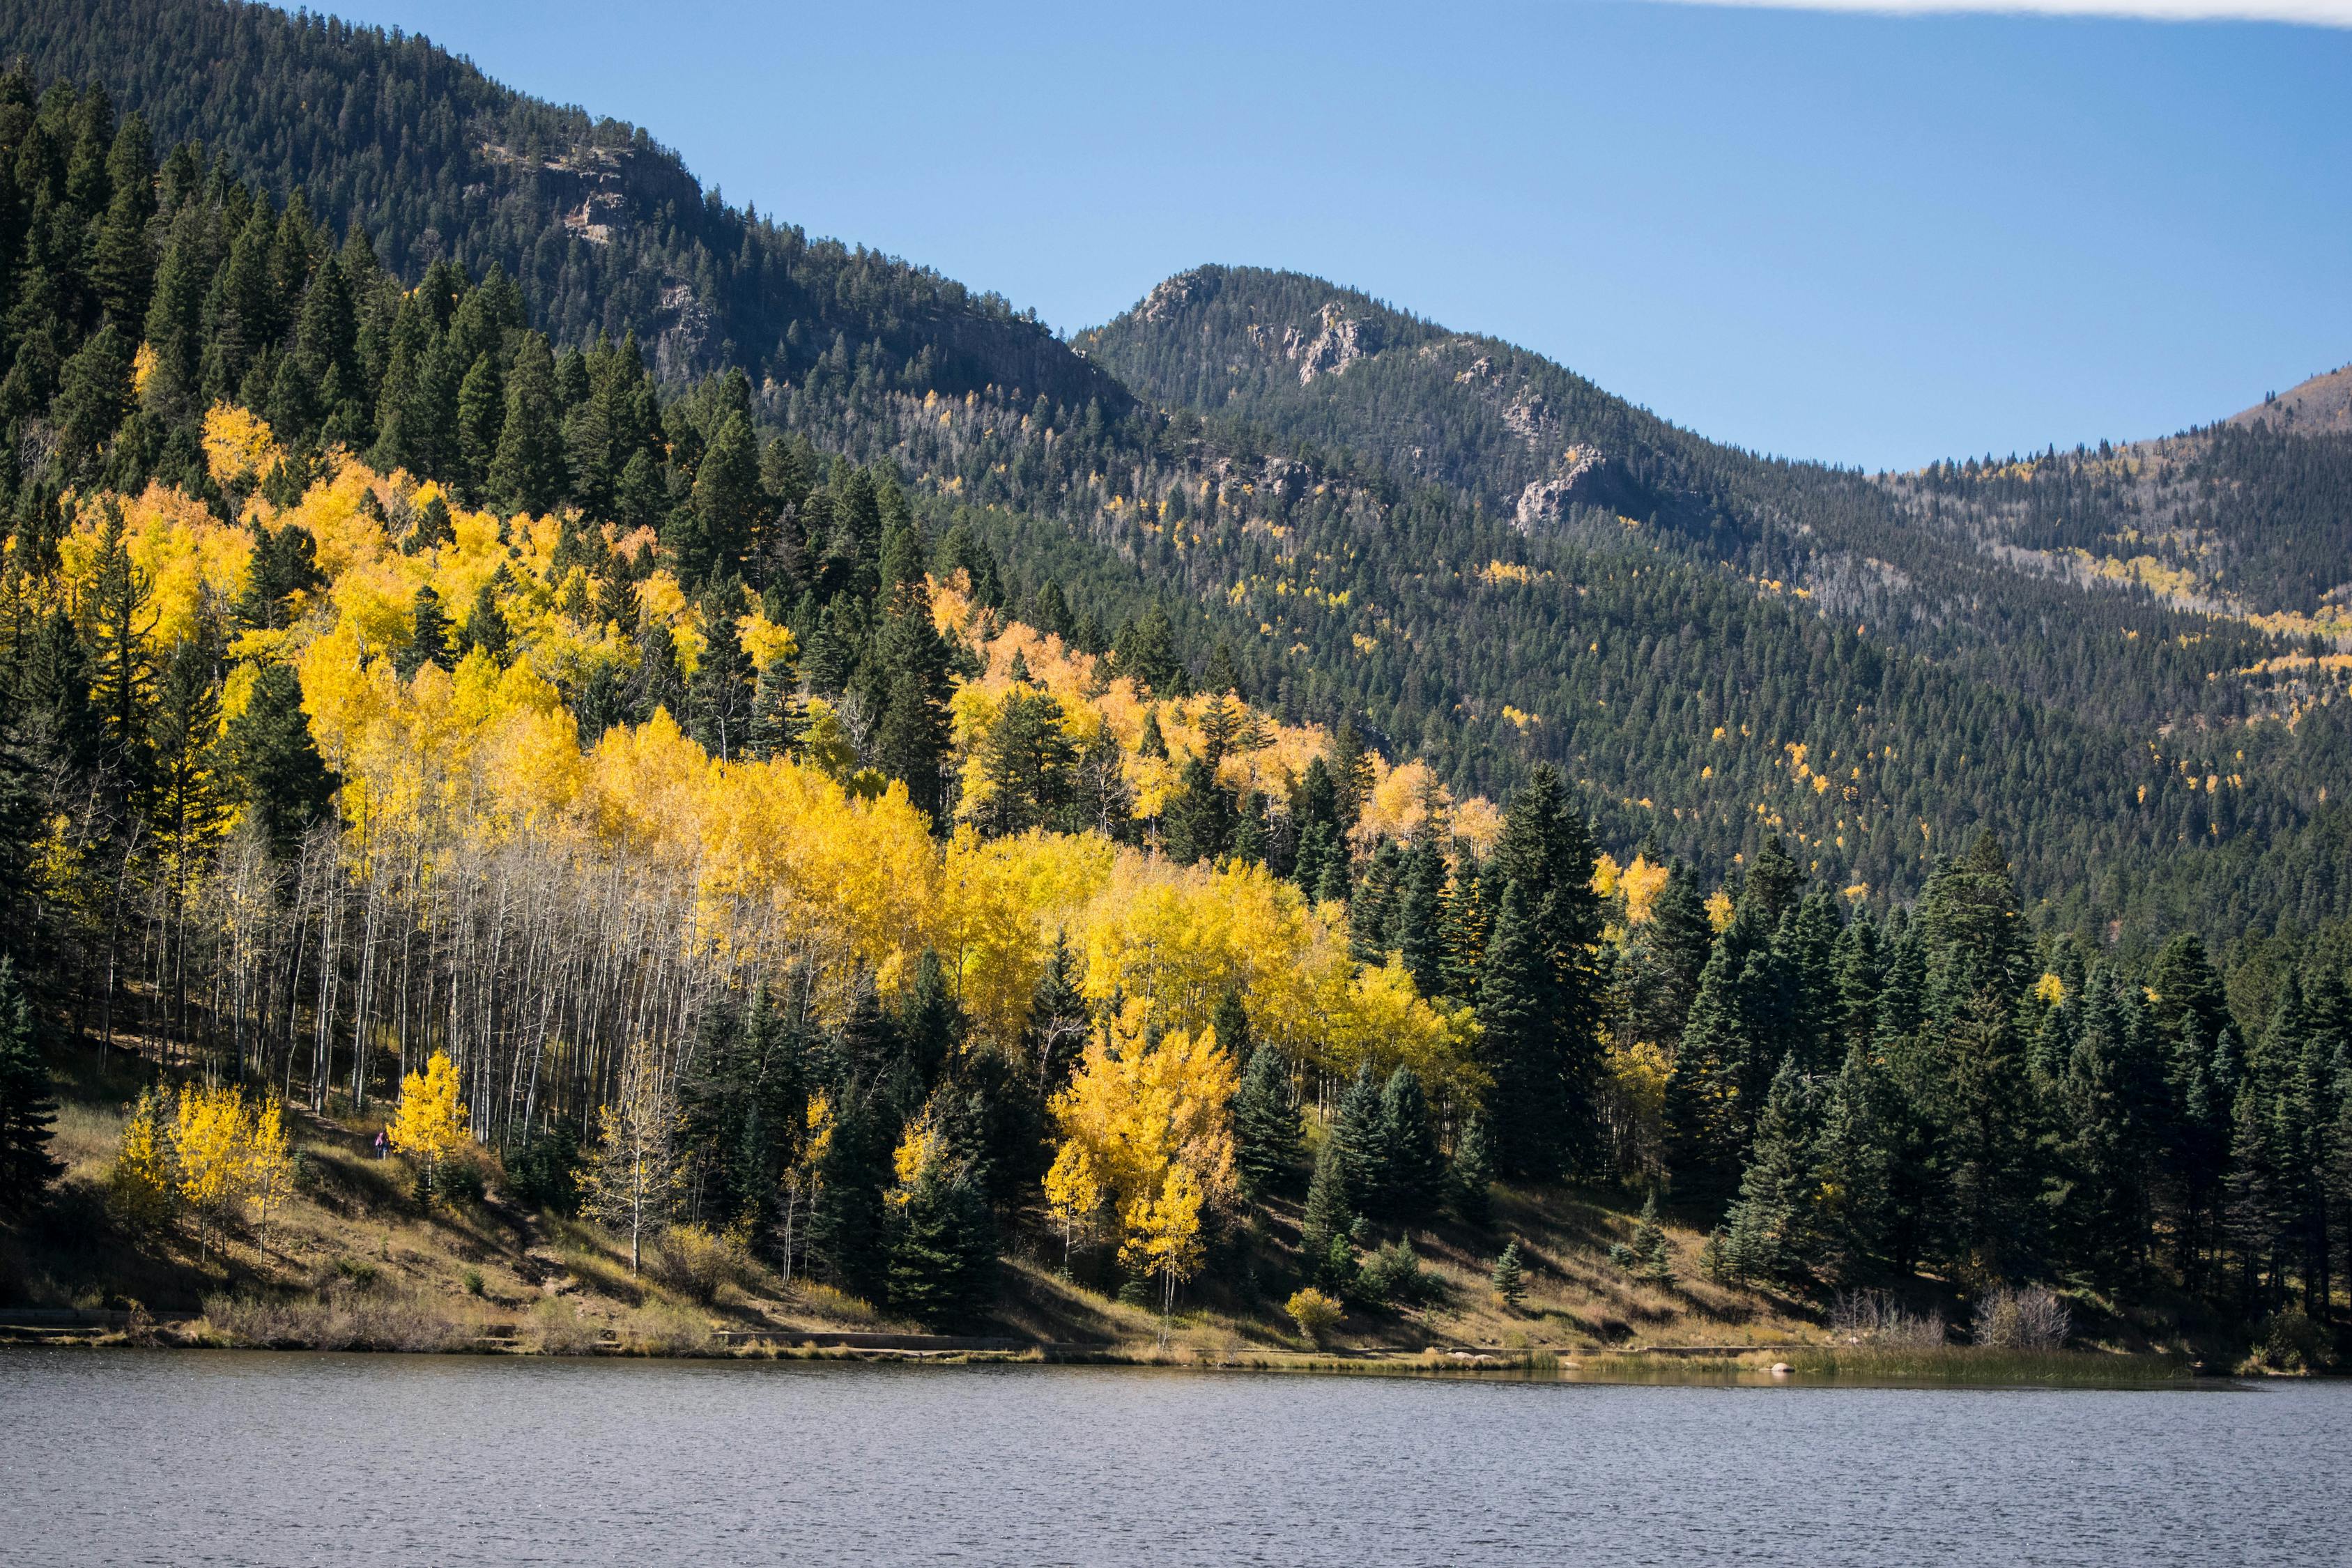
[[429, 1123], [238, 445], [1147, 1134]]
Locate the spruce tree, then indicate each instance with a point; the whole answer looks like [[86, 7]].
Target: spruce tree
[[1509, 1277], [430, 635], [1853, 1166], [27, 1110], [1518, 1044], [1266, 1132], [1653, 1258], [1413, 1169], [273, 762], [1768, 1232], [1472, 1179], [1328, 1216], [942, 1249], [1198, 822], [1356, 1133], [526, 471], [718, 695]]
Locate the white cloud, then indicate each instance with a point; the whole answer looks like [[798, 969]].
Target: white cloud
[[2306, 13]]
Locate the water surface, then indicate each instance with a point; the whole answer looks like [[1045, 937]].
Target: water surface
[[208, 1457]]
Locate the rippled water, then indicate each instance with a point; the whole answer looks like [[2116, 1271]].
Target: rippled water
[[127, 1456]]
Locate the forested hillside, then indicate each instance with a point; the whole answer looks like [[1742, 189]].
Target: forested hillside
[[607, 230], [882, 824], [1441, 563]]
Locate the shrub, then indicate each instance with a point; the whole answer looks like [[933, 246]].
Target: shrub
[[1877, 1317], [1394, 1275], [472, 1278], [560, 1329], [1316, 1313], [697, 1262], [2028, 1318], [2290, 1342]]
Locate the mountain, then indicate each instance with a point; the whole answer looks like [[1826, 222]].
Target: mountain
[[604, 228], [1470, 554], [1982, 623], [2320, 407]]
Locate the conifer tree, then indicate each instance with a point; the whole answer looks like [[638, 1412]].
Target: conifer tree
[[526, 471], [1356, 1133], [1518, 1044], [718, 695], [26, 1108], [277, 773], [1853, 1168], [1199, 820], [1328, 1217], [1768, 1232], [942, 1249], [1411, 1167], [1509, 1277], [1652, 1257], [1266, 1134], [1472, 1178], [428, 640]]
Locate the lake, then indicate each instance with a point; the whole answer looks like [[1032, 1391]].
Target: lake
[[200, 1457]]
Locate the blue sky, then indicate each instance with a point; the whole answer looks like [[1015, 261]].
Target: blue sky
[[1868, 238]]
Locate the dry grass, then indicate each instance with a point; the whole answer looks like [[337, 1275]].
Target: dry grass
[[354, 1318]]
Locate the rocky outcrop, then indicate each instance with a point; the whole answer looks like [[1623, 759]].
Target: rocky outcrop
[[1585, 477], [1328, 348]]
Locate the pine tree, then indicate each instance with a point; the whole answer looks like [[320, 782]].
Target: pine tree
[[1518, 1044], [1768, 1232], [1652, 1257], [274, 763], [27, 1110], [1853, 1168], [1509, 1277], [942, 1250], [1412, 1168], [846, 1224], [1417, 931], [526, 472], [1058, 1020], [428, 640], [1328, 1217], [481, 416], [1198, 821], [1266, 1132], [718, 695], [727, 497], [1472, 1178], [1357, 1133]]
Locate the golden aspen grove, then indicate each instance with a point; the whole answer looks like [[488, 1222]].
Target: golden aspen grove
[[735, 836]]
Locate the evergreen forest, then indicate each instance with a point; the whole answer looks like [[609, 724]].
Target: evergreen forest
[[746, 739]]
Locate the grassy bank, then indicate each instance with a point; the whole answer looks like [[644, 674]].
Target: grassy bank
[[354, 1260]]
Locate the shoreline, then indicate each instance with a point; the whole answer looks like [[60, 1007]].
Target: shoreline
[[1773, 1366]]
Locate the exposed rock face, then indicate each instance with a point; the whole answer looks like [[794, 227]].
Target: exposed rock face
[[681, 346], [1585, 477], [1169, 296], [1338, 341]]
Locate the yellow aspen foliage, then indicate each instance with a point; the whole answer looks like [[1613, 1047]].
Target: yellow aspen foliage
[[1719, 910], [1641, 883], [238, 444], [429, 1122], [1073, 1189], [269, 1165], [1164, 1237], [1132, 1116], [208, 1145], [142, 1189]]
